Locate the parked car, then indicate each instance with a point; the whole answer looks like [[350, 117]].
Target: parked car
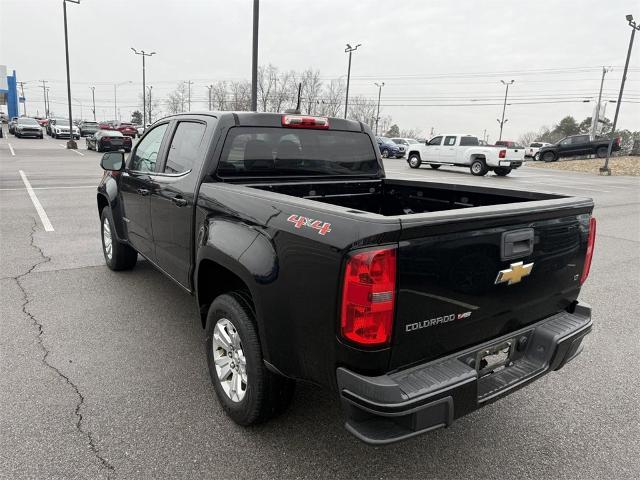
[[3, 117], [389, 149], [51, 123], [42, 121], [88, 128], [106, 125], [106, 140], [12, 123], [465, 151], [61, 129], [414, 302], [27, 127], [140, 129], [405, 142], [508, 144], [576, 145], [532, 150], [127, 129]]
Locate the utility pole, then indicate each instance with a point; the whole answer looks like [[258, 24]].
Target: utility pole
[[504, 106], [24, 100], [209, 87], [596, 117], [348, 50], [48, 106], [605, 170], [254, 57], [44, 96], [150, 87], [71, 144], [144, 88], [379, 85], [93, 98], [189, 83]]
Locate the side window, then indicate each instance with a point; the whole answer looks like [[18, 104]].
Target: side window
[[146, 154], [566, 141], [449, 141], [581, 139], [435, 141], [185, 146]]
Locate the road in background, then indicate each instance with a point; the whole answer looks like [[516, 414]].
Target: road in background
[[104, 373]]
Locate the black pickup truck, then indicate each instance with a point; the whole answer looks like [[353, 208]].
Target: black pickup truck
[[416, 302], [577, 145]]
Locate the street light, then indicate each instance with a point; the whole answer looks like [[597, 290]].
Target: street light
[[150, 87], [605, 170], [504, 106], [93, 98], [254, 57], [71, 143], [379, 85], [144, 88], [115, 98], [348, 50]]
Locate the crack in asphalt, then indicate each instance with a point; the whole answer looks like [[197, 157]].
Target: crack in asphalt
[[104, 463]]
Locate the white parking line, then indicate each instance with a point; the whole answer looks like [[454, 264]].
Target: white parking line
[[36, 203], [79, 153], [11, 148], [49, 188]]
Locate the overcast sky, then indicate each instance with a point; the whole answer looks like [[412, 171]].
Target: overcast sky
[[441, 61]]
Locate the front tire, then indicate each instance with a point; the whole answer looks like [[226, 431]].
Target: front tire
[[414, 160], [385, 153], [502, 171], [434, 166], [601, 152], [549, 157], [478, 168], [247, 391], [117, 255], [536, 157]]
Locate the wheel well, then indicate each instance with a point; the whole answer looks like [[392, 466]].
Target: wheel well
[[214, 280], [102, 202], [414, 153], [478, 157]]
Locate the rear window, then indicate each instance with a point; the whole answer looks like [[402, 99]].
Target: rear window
[[535, 145], [267, 152], [469, 141]]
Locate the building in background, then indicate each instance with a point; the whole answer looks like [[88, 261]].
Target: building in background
[[9, 93]]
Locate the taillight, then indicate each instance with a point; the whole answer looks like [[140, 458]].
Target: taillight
[[502, 154], [106, 139], [590, 245], [368, 297], [301, 121]]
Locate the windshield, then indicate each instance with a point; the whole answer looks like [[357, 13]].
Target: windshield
[[62, 123], [90, 124], [411, 140], [27, 121], [269, 152]]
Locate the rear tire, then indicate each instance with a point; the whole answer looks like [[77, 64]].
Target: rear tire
[[117, 255], [502, 171], [247, 391], [536, 157], [549, 157], [414, 160], [478, 168], [601, 152], [435, 167]]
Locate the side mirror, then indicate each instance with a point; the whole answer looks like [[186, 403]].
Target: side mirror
[[113, 161]]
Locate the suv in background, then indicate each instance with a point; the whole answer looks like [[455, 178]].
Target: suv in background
[[389, 149], [532, 150], [88, 128], [405, 142]]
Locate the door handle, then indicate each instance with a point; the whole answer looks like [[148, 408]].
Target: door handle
[[179, 201], [143, 191]]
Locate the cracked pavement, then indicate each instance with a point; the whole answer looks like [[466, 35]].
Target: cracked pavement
[[103, 375]]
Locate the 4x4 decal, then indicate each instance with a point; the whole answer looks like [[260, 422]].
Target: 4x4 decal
[[299, 221]]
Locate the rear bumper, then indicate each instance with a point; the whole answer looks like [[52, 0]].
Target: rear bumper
[[426, 397]]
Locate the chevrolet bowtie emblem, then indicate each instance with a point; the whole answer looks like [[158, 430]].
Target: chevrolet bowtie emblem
[[514, 273]]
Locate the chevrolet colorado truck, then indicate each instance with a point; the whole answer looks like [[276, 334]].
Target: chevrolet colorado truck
[[416, 302], [465, 151]]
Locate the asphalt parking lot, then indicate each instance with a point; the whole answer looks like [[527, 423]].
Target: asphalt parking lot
[[103, 374]]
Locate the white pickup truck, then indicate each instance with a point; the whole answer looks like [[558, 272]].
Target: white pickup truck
[[465, 151]]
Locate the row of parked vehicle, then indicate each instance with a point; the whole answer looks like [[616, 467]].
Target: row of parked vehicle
[[57, 127]]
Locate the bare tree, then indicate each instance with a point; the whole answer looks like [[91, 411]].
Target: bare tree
[[332, 98], [363, 110], [311, 90], [219, 95], [267, 79], [284, 92], [240, 95], [176, 99], [528, 137], [152, 103], [411, 133]]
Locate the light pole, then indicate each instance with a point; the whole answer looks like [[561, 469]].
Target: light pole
[[379, 85], [605, 170], [504, 106], [209, 87], [46, 92], [71, 143], [150, 87], [144, 88], [254, 57], [596, 116], [93, 98], [348, 50], [24, 100], [44, 97], [115, 98]]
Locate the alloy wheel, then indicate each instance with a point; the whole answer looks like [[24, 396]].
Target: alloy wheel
[[106, 239], [229, 360]]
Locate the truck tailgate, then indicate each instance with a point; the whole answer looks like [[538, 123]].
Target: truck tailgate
[[469, 276]]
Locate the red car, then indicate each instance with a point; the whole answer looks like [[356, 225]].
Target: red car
[[127, 129], [106, 126], [43, 122]]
